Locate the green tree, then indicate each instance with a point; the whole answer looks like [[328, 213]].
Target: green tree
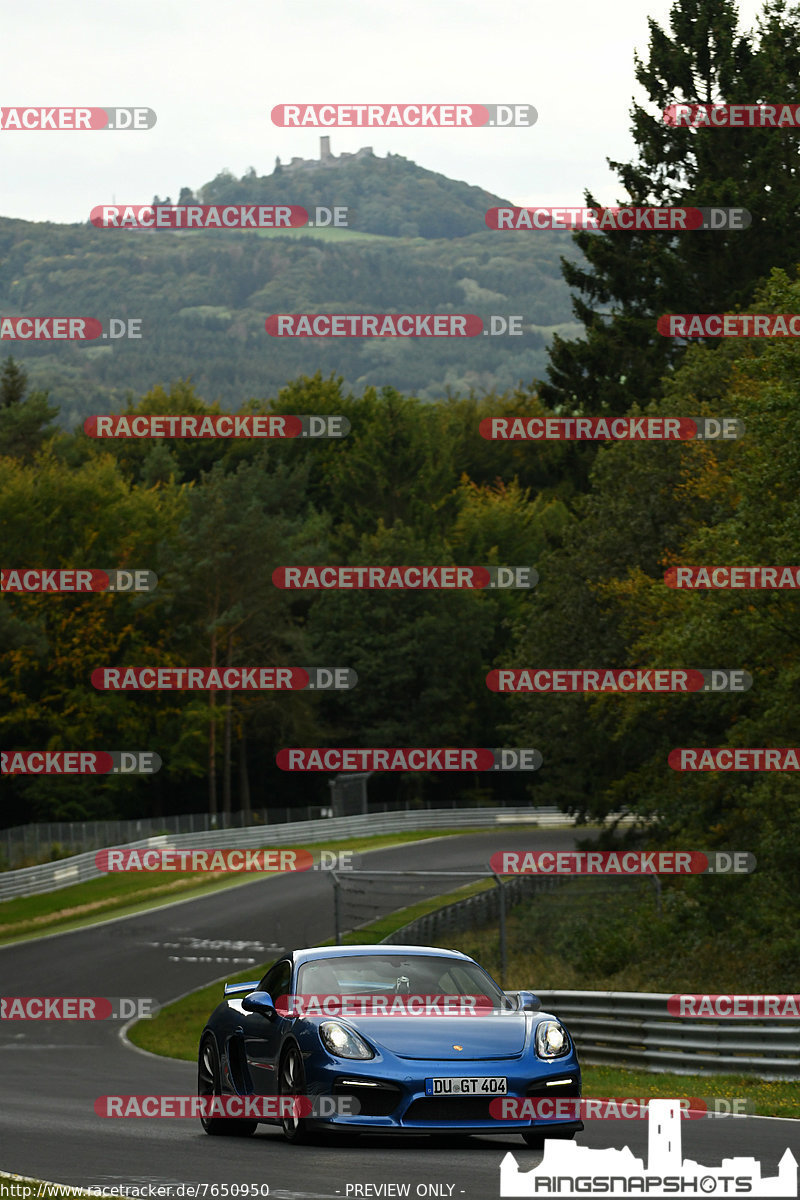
[[25, 419], [633, 278]]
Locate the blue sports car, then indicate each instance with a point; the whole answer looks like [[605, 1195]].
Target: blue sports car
[[384, 1039]]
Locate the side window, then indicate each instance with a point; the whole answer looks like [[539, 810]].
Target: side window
[[277, 979]]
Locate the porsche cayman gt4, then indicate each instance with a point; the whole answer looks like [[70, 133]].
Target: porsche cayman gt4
[[382, 1039]]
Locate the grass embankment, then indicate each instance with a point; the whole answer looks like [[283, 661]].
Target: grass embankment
[[120, 894], [175, 1031]]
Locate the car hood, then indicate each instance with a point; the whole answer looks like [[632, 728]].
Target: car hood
[[435, 1038]]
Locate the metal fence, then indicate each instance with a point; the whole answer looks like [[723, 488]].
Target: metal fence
[[471, 912], [48, 877], [49, 840], [46, 841]]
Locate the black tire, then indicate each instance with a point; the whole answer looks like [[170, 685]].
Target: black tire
[[209, 1083], [292, 1082], [535, 1138]]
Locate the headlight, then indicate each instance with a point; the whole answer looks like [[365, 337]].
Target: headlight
[[552, 1040], [343, 1042]]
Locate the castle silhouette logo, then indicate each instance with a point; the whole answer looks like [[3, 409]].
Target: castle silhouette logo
[[567, 1169]]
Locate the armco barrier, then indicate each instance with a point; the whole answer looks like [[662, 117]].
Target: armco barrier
[[628, 1029], [633, 1029], [48, 877]]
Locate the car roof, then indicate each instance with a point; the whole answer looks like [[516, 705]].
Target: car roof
[[383, 949]]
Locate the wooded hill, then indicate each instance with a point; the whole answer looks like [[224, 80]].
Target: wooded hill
[[416, 242]]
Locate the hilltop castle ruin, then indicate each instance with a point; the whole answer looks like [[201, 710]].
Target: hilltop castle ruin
[[326, 159]]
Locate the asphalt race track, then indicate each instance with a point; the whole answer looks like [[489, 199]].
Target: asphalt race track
[[54, 1070]]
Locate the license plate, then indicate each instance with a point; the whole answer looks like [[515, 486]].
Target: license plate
[[467, 1085]]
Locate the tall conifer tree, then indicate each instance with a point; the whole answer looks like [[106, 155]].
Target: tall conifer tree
[[633, 278]]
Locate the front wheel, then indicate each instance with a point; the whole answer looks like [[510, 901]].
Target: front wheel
[[292, 1082], [209, 1083]]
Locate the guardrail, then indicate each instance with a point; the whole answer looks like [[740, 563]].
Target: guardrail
[[48, 877], [630, 1029], [633, 1029]]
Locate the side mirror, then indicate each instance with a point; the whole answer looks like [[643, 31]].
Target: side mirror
[[259, 1002], [528, 1002]]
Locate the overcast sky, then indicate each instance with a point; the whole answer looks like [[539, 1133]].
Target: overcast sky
[[212, 72]]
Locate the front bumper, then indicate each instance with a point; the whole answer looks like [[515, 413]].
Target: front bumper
[[391, 1097]]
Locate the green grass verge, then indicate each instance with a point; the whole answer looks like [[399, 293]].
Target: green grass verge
[[121, 893], [765, 1097]]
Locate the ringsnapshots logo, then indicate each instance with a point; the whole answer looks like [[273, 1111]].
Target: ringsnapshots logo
[[611, 429], [422, 758], [263, 861], [216, 425], [633, 219], [733, 578], [75, 119], [627, 680], [77, 1008], [59, 580], [732, 116], [622, 862], [403, 325], [404, 578], [216, 216], [68, 329], [79, 762], [229, 679], [567, 1169], [408, 116]]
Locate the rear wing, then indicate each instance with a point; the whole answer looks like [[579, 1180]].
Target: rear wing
[[240, 989]]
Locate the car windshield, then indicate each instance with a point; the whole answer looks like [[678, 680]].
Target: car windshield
[[382, 974]]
